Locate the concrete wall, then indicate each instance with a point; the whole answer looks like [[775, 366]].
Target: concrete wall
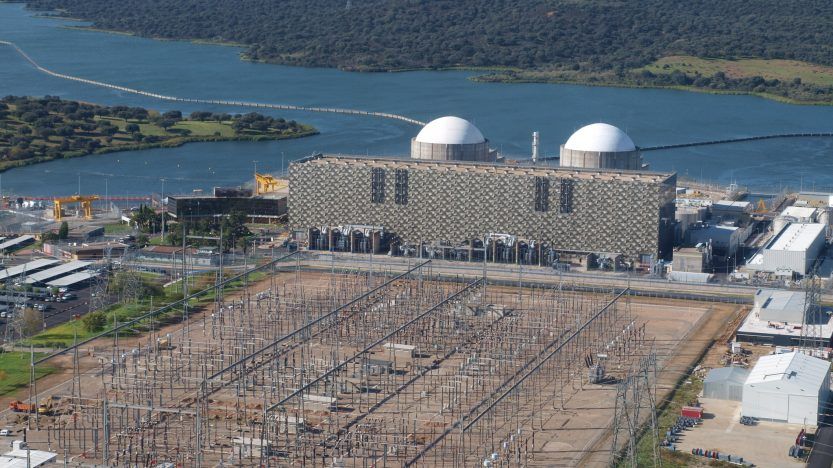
[[630, 160], [439, 152], [460, 202]]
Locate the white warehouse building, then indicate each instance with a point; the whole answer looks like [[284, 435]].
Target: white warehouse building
[[789, 387], [795, 248]]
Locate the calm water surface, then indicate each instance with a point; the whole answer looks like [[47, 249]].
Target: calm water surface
[[507, 114]]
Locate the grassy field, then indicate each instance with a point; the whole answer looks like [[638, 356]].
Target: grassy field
[[784, 70], [64, 335], [14, 371], [117, 228], [197, 128]]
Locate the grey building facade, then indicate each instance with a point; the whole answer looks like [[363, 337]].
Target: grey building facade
[[454, 205]]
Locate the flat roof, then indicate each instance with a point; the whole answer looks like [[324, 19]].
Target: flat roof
[[16, 241], [71, 279], [753, 324], [26, 267], [799, 211], [22, 458], [732, 203], [779, 299], [797, 237], [490, 168], [57, 271]]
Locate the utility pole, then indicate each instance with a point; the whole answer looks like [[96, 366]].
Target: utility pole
[[164, 209]]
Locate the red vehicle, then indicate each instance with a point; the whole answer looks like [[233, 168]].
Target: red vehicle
[[695, 412]]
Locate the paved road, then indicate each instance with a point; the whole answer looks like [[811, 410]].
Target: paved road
[[512, 273]]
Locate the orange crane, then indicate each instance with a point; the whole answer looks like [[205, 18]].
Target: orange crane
[[86, 202], [266, 183]]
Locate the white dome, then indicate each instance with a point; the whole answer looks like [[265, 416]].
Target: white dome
[[450, 131], [600, 137]]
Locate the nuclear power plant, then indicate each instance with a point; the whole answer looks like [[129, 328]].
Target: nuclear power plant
[[456, 200]]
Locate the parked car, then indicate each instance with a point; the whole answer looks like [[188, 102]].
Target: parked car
[[5, 433]]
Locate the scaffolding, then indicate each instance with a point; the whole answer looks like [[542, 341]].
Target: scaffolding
[[339, 368]]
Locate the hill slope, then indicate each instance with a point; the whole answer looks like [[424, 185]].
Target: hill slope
[[591, 36]]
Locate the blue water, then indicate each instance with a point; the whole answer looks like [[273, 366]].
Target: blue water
[[506, 113]]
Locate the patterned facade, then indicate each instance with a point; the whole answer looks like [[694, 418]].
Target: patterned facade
[[574, 210]]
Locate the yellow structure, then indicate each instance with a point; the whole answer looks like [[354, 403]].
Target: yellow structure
[[267, 183], [86, 202]]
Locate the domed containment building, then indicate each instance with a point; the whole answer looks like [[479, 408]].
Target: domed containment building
[[451, 139], [600, 146]]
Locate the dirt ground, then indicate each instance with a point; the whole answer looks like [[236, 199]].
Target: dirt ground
[[577, 434]]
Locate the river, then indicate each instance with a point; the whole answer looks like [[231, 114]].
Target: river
[[506, 113]]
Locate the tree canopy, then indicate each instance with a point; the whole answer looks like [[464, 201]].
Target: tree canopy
[[395, 34]]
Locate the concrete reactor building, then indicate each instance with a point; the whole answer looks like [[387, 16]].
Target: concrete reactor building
[[460, 210], [601, 146], [451, 139]]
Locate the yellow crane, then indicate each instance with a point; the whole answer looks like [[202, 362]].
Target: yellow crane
[[86, 202], [267, 183]]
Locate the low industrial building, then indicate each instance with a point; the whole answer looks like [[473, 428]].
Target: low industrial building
[[433, 209], [731, 209], [600, 146], [725, 240], [794, 249], [815, 199], [788, 387], [778, 317], [262, 209], [84, 233], [21, 456], [173, 256], [693, 259], [725, 383]]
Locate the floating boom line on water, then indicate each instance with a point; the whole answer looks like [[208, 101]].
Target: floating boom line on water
[[219, 102]]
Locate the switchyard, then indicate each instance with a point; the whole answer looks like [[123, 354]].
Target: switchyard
[[336, 368]]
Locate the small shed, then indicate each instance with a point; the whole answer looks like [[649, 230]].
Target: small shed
[[725, 383]]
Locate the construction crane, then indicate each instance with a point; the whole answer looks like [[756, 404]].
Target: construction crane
[[267, 183], [86, 202]]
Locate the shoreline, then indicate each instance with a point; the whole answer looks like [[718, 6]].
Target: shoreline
[[482, 77], [172, 143]]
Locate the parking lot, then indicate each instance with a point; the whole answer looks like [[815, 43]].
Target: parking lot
[[56, 313], [764, 444]]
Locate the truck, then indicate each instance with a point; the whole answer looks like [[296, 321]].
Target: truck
[[20, 407]]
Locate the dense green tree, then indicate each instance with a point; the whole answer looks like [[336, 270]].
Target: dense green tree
[[63, 231]]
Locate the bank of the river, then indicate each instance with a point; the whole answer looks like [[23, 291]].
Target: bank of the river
[[768, 79], [608, 81], [38, 130]]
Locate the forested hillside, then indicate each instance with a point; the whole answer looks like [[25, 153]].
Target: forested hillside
[[391, 34], [621, 42]]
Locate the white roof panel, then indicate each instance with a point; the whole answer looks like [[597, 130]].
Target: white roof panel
[[57, 271], [27, 267], [71, 279], [797, 237], [806, 372], [13, 242]]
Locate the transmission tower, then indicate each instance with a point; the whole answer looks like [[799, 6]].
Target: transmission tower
[[812, 340], [636, 395]]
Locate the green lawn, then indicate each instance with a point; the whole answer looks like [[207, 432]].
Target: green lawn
[[783, 70], [14, 371], [117, 228], [64, 335], [197, 128]]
